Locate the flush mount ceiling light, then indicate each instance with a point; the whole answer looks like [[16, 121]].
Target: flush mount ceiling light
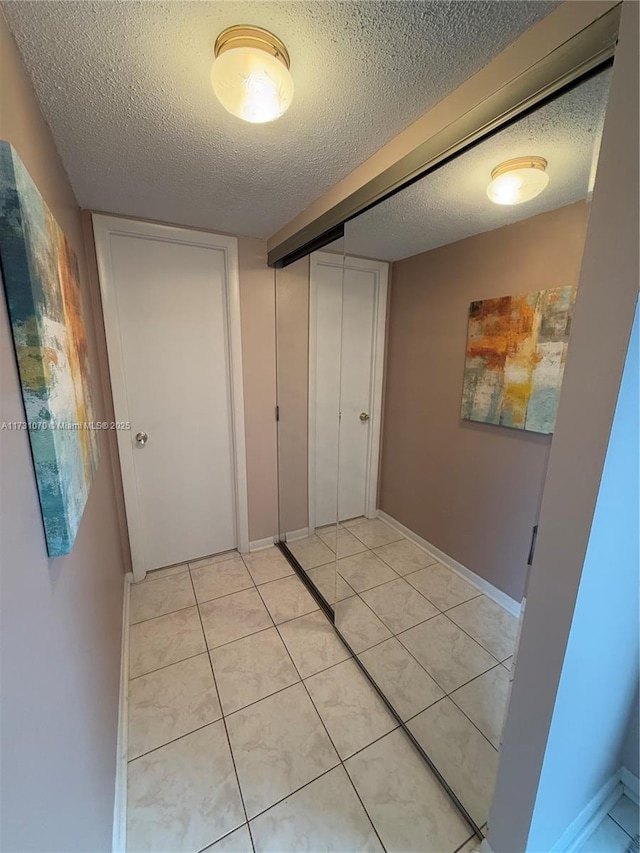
[[250, 74], [518, 180]]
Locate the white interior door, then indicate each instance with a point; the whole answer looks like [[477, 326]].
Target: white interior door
[[345, 385], [356, 375], [167, 317]]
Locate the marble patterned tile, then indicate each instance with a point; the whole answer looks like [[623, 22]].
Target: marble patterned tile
[[626, 814], [268, 564], [359, 625], [252, 668], [312, 643], [159, 597], [484, 701], [218, 579], [489, 624], [347, 542], [183, 796], [311, 552], [404, 556], [325, 815], [401, 678], [465, 758], [449, 655], [364, 571], [167, 572], [399, 605], [234, 616], [279, 744], [287, 598], [238, 841], [508, 663], [331, 585], [214, 558], [165, 640], [608, 837], [442, 586], [407, 805], [350, 708], [374, 533], [171, 702]]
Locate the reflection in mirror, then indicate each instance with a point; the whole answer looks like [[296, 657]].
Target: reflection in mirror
[[308, 318], [439, 487]]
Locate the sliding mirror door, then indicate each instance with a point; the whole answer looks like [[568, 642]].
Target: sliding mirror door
[[309, 309], [447, 422]]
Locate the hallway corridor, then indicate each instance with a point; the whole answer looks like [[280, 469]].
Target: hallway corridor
[[251, 729]]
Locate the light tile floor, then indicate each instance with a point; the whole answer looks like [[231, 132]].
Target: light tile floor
[[251, 729], [438, 648]]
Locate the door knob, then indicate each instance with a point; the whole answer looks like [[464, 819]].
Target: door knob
[[364, 417], [142, 438]]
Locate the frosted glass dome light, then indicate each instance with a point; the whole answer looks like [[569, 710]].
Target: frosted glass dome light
[[250, 74], [518, 180]]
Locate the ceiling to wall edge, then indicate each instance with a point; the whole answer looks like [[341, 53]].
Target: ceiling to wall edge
[[587, 49]]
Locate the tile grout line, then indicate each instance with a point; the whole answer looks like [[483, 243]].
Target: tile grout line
[[167, 665], [483, 647], [179, 737], [340, 759], [226, 730]]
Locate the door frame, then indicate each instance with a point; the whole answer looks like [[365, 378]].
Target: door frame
[[105, 226], [381, 272]]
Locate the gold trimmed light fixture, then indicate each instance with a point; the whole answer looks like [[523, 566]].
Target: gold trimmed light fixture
[[518, 180], [250, 74]]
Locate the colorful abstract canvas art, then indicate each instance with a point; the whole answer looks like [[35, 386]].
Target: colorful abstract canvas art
[[40, 276], [516, 351]]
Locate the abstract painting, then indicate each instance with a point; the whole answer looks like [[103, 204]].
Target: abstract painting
[[516, 351], [40, 276]]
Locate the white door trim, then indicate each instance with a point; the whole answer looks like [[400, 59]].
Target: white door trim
[[381, 271], [103, 227]]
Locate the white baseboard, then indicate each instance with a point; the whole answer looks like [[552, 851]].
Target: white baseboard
[[591, 816], [119, 842], [630, 784], [296, 534], [261, 544], [510, 605]]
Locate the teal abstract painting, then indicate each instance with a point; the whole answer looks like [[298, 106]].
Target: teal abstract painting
[[516, 352], [40, 276]]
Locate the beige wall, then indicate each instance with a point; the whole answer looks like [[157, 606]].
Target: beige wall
[[60, 619], [257, 307], [471, 489]]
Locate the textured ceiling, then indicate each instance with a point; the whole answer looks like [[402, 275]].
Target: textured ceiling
[[451, 203], [125, 88]]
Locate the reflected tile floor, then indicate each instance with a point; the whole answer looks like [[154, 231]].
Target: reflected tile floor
[[251, 729], [618, 832], [438, 647]]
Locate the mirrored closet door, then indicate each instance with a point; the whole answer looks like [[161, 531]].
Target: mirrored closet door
[[309, 296], [420, 363], [483, 258]]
